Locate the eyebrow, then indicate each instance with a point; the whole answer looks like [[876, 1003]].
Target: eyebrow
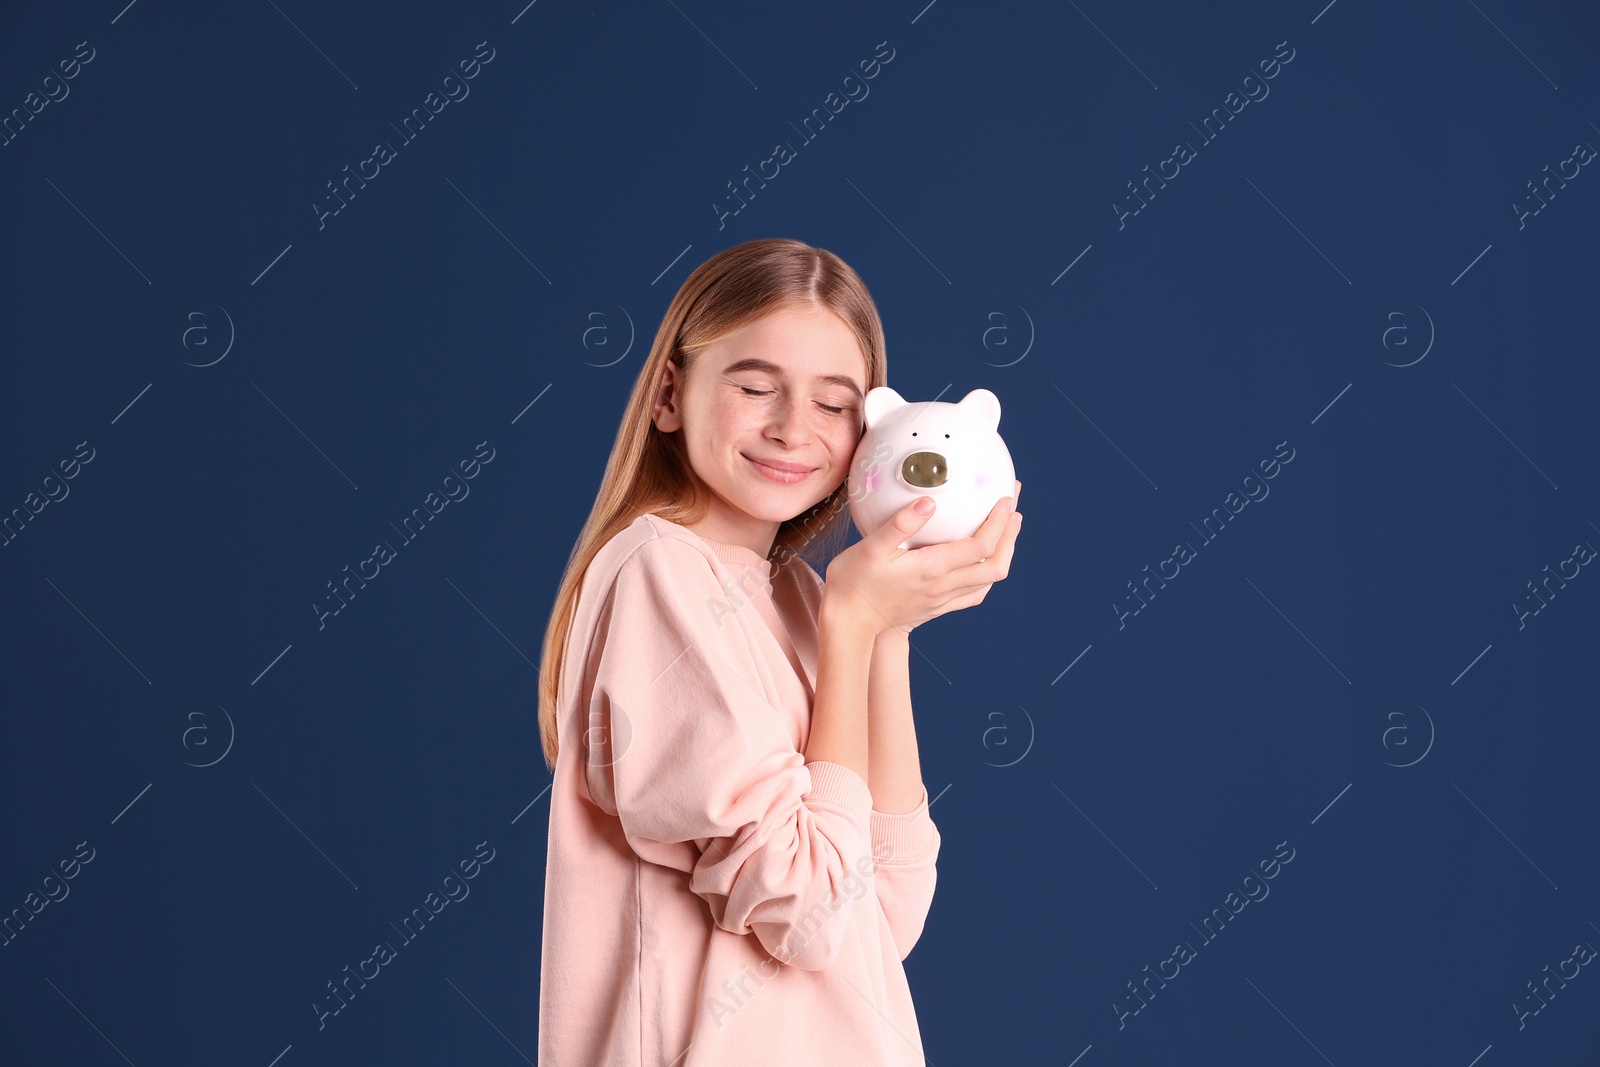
[[755, 363]]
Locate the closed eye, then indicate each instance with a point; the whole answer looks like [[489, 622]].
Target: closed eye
[[829, 408]]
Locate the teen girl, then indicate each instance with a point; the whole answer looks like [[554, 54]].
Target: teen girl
[[740, 851]]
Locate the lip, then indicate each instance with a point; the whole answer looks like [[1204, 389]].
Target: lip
[[779, 471], [778, 464]]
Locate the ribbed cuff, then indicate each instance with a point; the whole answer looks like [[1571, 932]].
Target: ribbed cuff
[[902, 837], [836, 784]]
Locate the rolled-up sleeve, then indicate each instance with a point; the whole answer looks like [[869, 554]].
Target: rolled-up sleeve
[[683, 746], [905, 848]]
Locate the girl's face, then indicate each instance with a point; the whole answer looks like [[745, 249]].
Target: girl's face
[[771, 417]]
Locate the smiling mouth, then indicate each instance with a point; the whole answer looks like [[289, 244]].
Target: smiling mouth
[[782, 477]]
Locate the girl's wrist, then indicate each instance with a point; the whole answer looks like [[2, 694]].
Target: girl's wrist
[[891, 637], [837, 616]]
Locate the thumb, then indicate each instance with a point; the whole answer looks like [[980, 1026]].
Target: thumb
[[907, 521]]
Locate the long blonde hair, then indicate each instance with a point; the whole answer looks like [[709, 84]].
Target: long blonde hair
[[649, 471]]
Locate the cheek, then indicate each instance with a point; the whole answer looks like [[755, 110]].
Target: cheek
[[842, 443], [730, 418]]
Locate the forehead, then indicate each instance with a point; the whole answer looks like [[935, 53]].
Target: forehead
[[798, 344]]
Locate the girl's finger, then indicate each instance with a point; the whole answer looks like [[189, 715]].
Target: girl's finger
[[978, 574], [954, 557], [1008, 543], [987, 540]]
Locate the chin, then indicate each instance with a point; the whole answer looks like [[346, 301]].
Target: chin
[[775, 505], [771, 510]]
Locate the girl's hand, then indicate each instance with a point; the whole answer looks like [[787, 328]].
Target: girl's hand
[[884, 586]]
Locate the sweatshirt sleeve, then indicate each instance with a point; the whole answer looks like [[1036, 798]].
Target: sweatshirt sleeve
[[682, 745], [905, 846]]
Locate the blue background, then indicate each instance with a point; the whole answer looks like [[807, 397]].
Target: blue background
[[1342, 669]]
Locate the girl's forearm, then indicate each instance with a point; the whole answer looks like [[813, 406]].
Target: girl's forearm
[[895, 768], [839, 711]]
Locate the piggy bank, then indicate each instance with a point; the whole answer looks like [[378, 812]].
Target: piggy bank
[[950, 452]]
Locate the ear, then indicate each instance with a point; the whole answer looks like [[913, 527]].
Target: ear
[[880, 402], [666, 410], [984, 406]]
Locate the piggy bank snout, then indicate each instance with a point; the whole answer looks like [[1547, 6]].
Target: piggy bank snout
[[925, 470]]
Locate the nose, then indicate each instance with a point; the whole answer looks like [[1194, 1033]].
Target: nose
[[925, 470], [789, 421]]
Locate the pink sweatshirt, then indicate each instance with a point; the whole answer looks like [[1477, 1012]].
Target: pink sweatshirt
[[711, 899]]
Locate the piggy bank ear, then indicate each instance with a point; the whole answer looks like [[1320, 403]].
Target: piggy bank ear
[[983, 406], [880, 402]]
